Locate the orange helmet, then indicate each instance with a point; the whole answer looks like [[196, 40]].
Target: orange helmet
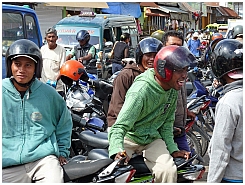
[[71, 71], [216, 36]]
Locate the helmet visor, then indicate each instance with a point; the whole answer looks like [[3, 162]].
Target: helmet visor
[[180, 58]]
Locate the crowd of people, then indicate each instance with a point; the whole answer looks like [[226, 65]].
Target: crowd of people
[[148, 102]]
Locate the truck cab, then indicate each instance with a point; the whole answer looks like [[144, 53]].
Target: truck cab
[[104, 30], [18, 22]]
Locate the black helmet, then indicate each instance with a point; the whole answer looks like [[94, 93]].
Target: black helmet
[[24, 47], [147, 45], [171, 58], [83, 35], [227, 56], [237, 30]]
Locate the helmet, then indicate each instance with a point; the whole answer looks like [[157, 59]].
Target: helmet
[[83, 35], [170, 58], [71, 71], [158, 35], [211, 48], [27, 48], [227, 56], [217, 35], [147, 45], [237, 30]]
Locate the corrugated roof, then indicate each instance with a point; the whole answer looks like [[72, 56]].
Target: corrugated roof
[[154, 11], [171, 9], [225, 11], [186, 6], [231, 12], [212, 4], [150, 4]]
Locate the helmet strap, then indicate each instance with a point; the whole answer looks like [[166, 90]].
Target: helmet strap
[[26, 85]]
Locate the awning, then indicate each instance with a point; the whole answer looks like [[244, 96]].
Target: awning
[[175, 13], [151, 11], [79, 4]]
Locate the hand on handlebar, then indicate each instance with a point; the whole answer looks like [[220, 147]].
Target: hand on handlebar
[[181, 153], [122, 154], [62, 160]]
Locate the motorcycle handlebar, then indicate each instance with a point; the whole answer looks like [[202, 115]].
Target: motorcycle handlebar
[[83, 123]]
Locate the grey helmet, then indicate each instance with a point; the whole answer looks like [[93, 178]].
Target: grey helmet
[[24, 47]]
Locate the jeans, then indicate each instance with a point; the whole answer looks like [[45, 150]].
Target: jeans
[[182, 143], [116, 67]]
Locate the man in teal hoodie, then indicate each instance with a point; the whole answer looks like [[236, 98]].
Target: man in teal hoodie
[[145, 122], [36, 124]]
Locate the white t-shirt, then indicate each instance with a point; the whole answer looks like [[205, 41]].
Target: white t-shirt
[[52, 62]]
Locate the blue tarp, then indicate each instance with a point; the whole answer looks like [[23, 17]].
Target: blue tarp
[[132, 9]]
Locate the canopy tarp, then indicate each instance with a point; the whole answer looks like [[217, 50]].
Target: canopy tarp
[[132, 9]]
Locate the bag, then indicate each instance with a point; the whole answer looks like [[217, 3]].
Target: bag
[[111, 53]]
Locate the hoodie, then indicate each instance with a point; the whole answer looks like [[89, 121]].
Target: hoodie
[[226, 145], [147, 114], [33, 127], [121, 84]]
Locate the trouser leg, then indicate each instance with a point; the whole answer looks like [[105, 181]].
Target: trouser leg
[[157, 159], [45, 170], [160, 162], [48, 170], [15, 174]]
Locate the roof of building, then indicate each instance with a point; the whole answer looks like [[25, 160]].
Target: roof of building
[[212, 4], [225, 11]]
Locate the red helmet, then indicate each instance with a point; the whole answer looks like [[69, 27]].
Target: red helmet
[[71, 71], [170, 58], [216, 36]]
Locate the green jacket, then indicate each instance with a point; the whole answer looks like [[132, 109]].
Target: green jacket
[[33, 127], [147, 114]]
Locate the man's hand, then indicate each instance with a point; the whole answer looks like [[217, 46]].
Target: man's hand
[[80, 59], [122, 154], [181, 153], [177, 131], [191, 115], [62, 160]]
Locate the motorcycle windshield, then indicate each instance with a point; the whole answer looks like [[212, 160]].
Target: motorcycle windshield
[[78, 98]]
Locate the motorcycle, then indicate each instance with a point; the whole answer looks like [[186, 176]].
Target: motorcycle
[[199, 89], [98, 149], [186, 172], [80, 170], [84, 98], [196, 133]]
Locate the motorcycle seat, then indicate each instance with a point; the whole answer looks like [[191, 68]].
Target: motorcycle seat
[[139, 165], [98, 140], [98, 154], [76, 169]]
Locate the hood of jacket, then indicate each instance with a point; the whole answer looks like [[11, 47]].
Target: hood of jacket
[[234, 85]]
